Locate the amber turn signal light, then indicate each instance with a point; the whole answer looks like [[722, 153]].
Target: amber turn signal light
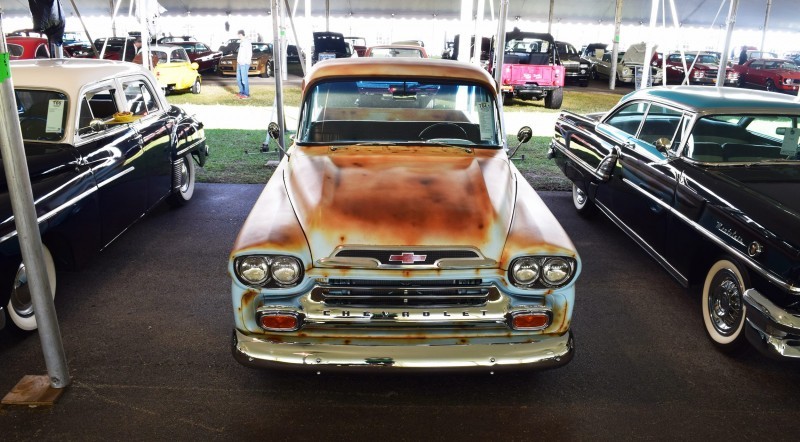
[[279, 322], [530, 321]]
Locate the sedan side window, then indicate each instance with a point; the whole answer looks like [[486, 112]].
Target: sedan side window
[[628, 118], [139, 97], [660, 124], [96, 105]]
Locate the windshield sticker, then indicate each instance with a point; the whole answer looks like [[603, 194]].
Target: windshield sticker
[[55, 115], [485, 119], [790, 140]]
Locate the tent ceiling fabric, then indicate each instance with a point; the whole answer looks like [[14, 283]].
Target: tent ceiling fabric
[[690, 12]]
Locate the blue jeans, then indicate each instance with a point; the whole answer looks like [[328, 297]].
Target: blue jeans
[[241, 79]]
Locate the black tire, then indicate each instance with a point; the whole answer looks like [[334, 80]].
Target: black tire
[[507, 98], [554, 99], [593, 74], [267, 70], [196, 86], [723, 306], [583, 205], [183, 190], [20, 309], [740, 81], [770, 85]]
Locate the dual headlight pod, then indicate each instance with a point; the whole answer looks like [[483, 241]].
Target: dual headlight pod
[[541, 271], [268, 270]]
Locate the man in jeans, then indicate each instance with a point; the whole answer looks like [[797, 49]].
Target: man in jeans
[[243, 59]]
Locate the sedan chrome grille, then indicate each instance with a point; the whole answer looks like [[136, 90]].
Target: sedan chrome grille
[[404, 293]]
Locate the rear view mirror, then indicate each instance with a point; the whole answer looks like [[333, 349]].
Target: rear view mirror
[[523, 136], [780, 131], [273, 130]]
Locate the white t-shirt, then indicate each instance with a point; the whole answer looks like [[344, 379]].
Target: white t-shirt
[[245, 54]]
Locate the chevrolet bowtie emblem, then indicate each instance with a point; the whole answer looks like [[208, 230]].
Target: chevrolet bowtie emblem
[[407, 258]]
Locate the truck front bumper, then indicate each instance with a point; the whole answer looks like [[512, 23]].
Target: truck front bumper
[[771, 329], [539, 352]]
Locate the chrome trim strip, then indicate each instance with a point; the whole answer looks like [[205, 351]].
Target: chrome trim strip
[[639, 240], [54, 212], [370, 263], [741, 255], [190, 147], [115, 177], [772, 312]]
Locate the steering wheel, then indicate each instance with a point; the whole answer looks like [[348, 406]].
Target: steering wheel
[[443, 130], [33, 128]]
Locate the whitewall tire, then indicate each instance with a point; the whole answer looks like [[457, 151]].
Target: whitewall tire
[[723, 304], [20, 308]]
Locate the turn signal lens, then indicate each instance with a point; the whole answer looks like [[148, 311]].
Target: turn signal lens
[[279, 322], [530, 321]]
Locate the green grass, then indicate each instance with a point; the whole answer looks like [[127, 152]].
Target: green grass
[[574, 100], [260, 95]]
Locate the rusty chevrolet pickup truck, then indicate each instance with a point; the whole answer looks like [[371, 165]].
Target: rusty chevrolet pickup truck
[[396, 233]]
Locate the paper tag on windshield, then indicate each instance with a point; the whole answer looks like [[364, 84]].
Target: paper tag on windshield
[[486, 121], [55, 116], [790, 140]]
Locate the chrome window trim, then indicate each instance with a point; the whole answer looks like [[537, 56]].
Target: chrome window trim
[[717, 240]]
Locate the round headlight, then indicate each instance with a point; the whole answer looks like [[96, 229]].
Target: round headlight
[[525, 271], [254, 269], [556, 271], [285, 270]]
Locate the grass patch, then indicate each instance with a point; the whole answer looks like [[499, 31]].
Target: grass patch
[[216, 94], [576, 101], [236, 158]]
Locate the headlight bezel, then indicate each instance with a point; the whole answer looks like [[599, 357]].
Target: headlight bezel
[[271, 281], [541, 282]]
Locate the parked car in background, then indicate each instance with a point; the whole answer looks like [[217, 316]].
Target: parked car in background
[[26, 48], [117, 48], [531, 69], [206, 59], [391, 51], [465, 268], [706, 181], [633, 60], [174, 70], [702, 68], [260, 65], [81, 49], [229, 47], [754, 54], [486, 49], [576, 68], [329, 45], [602, 67], [772, 74], [103, 147], [594, 51], [358, 44], [173, 39]]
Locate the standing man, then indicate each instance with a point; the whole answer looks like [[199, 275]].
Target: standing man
[[243, 59]]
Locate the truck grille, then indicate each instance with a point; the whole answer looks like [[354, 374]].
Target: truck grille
[[404, 293]]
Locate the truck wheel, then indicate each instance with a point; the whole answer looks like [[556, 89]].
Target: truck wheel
[[723, 305], [507, 99], [554, 98]]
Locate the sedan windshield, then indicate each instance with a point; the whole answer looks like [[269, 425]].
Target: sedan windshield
[[397, 111], [42, 114]]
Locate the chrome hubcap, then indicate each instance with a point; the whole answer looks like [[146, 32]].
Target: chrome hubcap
[[580, 196], [20, 294], [725, 303], [184, 177]]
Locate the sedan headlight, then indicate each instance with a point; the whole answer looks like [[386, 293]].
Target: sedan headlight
[[270, 271], [541, 271]]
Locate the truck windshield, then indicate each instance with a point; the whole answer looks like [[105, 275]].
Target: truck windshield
[[399, 111]]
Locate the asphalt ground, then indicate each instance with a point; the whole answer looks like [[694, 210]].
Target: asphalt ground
[[146, 328]]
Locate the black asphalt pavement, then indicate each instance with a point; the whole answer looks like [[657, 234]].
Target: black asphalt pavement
[[146, 329]]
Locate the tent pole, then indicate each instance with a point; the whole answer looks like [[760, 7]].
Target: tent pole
[[500, 44], [612, 76], [766, 25], [550, 17], [296, 41], [648, 51], [30, 240], [723, 61], [83, 24], [276, 68]]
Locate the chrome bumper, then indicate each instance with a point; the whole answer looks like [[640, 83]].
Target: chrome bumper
[[772, 330], [544, 351]]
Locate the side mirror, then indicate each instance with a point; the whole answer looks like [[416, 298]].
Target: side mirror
[[662, 144], [523, 136], [273, 130], [98, 125]]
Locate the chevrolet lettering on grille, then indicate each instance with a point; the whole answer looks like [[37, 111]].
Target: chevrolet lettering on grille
[[407, 258]]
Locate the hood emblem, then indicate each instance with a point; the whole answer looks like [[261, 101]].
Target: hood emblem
[[407, 258]]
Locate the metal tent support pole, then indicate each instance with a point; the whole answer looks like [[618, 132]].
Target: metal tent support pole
[[30, 240], [277, 59], [91, 41], [464, 38], [550, 17], [500, 43], [766, 25], [612, 76], [723, 62], [296, 41], [648, 51]]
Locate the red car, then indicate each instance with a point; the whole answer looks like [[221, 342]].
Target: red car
[[200, 53], [702, 66], [22, 48], [772, 74]]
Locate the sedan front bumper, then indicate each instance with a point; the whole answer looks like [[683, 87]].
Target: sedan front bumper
[[771, 329], [540, 352]]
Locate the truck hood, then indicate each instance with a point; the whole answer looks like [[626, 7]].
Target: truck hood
[[401, 197], [635, 54]]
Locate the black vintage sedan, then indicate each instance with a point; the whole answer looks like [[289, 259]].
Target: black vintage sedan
[[706, 180], [103, 147]]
